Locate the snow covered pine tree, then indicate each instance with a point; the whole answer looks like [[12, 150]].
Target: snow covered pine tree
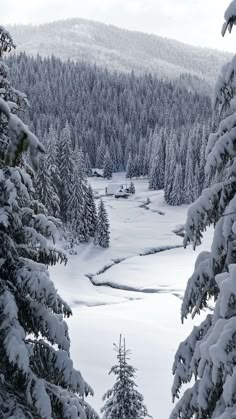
[[208, 354], [91, 212], [130, 167], [107, 168], [123, 401], [132, 188], [66, 166], [37, 378], [45, 187], [102, 233]]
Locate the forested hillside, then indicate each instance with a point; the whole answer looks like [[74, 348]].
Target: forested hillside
[[123, 114], [118, 49]]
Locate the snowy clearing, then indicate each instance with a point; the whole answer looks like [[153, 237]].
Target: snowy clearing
[[138, 296]]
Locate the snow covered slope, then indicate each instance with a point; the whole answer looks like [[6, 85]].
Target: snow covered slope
[[118, 49], [140, 284]]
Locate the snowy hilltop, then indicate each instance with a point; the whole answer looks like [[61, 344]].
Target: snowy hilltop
[[118, 49]]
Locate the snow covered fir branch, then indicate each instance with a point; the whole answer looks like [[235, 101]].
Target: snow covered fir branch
[[37, 375], [206, 358]]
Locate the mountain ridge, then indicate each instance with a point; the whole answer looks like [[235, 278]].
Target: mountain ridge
[[118, 49]]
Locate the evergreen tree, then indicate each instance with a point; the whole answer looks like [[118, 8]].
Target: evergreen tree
[[66, 166], [157, 169], [130, 168], [141, 156], [85, 220], [45, 187], [136, 166], [76, 206], [176, 195], [102, 233], [123, 401], [161, 154], [196, 183], [154, 173], [183, 147], [112, 150], [37, 375], [189, 175], [53, 168], [205, 361], [146, 166], [202, 164], [91, 212], [107, 169], [170, 166], [88, 165], [120, 157], [132, 188], [77, 211], [101, 151]]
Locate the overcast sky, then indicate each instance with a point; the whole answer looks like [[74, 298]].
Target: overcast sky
[[195, 22]]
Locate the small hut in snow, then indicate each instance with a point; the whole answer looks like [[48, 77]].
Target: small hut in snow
[[118, 190]]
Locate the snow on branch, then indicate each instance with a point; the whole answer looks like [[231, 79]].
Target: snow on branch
[[59, 367], [52, 326], [201, 285], [12, 331], [186, 361], [33, 279], [207, 210], [187, 405], [221, 145], [6, 42], [230, 18]]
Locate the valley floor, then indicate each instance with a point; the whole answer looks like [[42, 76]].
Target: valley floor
[[134, 288]]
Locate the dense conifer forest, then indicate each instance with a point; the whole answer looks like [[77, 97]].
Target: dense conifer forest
[[161, 126]]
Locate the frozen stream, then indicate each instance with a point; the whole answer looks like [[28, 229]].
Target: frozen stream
[[149, 321], [138, 296]]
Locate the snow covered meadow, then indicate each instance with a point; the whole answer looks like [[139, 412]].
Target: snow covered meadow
[[135, 288]]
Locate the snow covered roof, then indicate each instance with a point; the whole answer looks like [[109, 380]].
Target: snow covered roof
[[112, 188]]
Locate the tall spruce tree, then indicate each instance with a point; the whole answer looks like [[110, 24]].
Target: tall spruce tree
[[206, 361], [102, 233], [66, 166], [123, 401], [108, 166], [196, 183], [88, 165], [101, 151], [157, 170], [77, 212], [132, 188], [82, 179], [136, 166], [189, 194], [53, 169], [202, 163], [130, 170], [141, 156], [91, 212], [45, 187], [154, 183], [170, 166], [37, 375], [176, 195], [75, 206]]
